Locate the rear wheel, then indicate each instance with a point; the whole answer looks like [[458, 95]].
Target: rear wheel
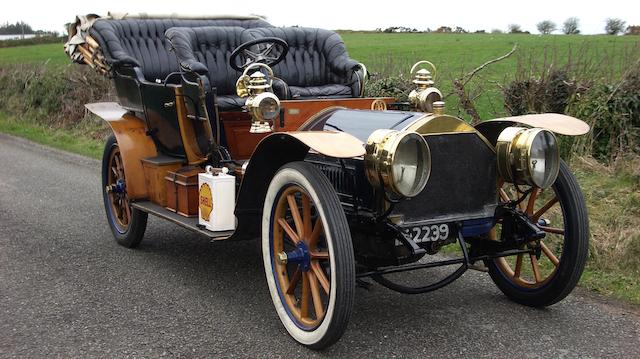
[[308, 255], [127, 224], [544, 279]]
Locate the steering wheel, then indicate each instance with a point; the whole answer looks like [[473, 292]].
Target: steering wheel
[[274, 52]]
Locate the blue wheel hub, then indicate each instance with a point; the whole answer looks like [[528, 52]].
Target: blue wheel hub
[[300, 256], [119, 186]]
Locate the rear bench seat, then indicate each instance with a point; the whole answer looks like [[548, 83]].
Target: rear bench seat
[[140, 61], [316, 66], [141, 42]]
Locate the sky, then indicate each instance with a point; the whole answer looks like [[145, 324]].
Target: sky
[[341, 14]]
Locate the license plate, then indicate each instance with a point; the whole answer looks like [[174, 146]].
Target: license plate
[[431, 232]]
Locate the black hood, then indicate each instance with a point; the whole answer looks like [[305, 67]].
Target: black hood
[[361, 123]]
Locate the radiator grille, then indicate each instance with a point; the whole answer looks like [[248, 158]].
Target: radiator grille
[[462, 183], [341, 180]]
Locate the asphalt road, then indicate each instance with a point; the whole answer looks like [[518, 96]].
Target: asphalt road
[[68, 290]]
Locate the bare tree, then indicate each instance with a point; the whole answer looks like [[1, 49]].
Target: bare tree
[[633, 30], [546, 27], [466, 101], [614, 26], [514, 29], [460, 30], [571, 26]]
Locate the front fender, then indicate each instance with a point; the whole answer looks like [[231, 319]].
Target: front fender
[[273, 152], [554, 122]]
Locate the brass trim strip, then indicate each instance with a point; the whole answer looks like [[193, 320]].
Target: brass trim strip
[[431, 124]]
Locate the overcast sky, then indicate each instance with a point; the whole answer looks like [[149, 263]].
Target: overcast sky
[[341, 14]]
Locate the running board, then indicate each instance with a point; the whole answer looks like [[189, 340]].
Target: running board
[[190, 223]]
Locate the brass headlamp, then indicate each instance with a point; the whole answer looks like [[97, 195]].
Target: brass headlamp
[[424, 95], [528, 156], [261, 103], [399, 161]]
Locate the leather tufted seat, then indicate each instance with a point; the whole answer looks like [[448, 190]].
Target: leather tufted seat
[[206, 51], [141, 42], [317, 64]]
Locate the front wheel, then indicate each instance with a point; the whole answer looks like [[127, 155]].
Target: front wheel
[[127, 224], [308, 255], [547, 277]]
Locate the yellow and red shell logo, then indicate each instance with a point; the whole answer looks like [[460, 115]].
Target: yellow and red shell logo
[[206, 201]]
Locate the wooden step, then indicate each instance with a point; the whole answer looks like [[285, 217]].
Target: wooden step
[[190, 223]]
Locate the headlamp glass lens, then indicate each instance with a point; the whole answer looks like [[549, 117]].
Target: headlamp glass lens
[[411, 165], [269, 108]]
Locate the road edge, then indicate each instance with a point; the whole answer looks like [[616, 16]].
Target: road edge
[[49, 151]]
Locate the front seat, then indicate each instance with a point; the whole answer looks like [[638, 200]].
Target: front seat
[[317, 64], [206, 51]]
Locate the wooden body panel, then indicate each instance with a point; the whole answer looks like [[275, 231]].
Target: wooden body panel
[[241, 143], [188, 133], [182, 191], [297, 112], [154, 178]]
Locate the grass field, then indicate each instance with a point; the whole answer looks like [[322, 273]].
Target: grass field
[[457, 54], [74, 140], [52, 54], [453, 55]]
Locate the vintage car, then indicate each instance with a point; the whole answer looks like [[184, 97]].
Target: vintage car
[[236, 129]]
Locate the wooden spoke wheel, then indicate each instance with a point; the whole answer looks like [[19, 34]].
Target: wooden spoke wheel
[[547, 275], [127, 224], [116, 191], [308, 255], [301, 259]]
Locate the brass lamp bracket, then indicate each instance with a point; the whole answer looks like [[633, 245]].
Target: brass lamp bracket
[[254, 84]]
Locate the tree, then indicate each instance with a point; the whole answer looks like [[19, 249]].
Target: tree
[[515, 29], [614, 26], [460, 30], [546, 27], [633, 30], [16, 29], [571, 26], [399, 29], [496, 31]]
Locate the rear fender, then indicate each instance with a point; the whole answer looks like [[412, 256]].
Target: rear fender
[[131, 135], [273, 152]]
